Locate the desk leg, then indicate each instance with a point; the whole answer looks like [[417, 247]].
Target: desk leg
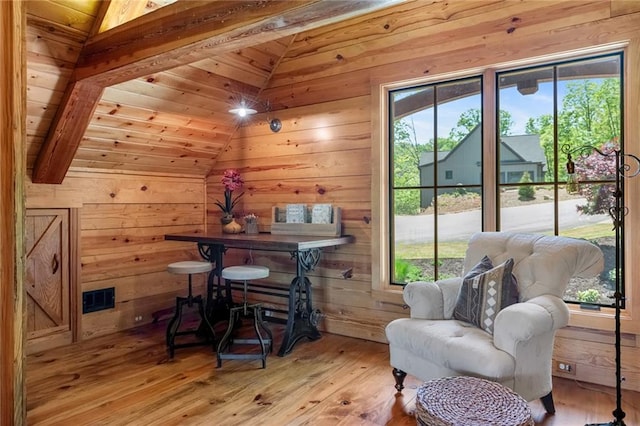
[[302, 319], [217, 307]]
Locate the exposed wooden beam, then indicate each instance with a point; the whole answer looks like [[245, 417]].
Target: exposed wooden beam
[[185, 32], [68, 127], [169, 37]]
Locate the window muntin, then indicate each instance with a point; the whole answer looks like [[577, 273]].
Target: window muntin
[[567, 105], [436, 184], [532, 119]]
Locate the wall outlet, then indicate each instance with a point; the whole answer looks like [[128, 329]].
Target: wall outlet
[[565, 367]]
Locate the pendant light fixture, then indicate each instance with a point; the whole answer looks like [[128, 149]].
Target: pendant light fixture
[[243, 110]]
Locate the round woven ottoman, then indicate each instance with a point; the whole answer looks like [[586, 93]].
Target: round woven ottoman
[[470, 401]]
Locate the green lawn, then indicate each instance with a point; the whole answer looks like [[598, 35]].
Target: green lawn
[[456, 250]]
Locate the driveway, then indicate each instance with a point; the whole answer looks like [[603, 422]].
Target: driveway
[[459, 226]]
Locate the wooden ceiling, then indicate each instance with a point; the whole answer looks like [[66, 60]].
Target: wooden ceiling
[[152, 94]]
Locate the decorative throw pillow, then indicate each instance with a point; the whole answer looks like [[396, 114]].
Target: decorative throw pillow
[[485, 291]]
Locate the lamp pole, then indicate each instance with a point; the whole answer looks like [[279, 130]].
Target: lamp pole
[[617, 212]]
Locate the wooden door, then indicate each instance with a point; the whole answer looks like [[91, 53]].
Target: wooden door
[[47, 280]]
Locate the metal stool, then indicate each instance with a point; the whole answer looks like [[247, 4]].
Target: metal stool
[[244, 274], [189, 267]]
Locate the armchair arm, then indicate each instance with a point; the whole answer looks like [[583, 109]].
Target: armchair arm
[[523, 321], [432, 300]]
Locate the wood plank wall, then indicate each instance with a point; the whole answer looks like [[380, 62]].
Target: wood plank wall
[[122, 216], [324, 91], [123, 219]]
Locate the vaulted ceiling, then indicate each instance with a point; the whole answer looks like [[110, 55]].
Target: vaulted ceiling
[[152, 93]]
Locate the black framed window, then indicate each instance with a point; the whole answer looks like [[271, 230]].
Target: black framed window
[[567, 105], [436, 134], [437, 152]]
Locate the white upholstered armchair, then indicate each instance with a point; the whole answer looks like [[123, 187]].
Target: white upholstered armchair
[[432, 343]]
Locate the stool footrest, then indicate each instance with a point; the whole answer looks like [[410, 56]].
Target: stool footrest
[[242, 356], [265, 342], [186, 333], [191, 344]]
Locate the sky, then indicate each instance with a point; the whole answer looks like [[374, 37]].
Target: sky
[[520, 107]]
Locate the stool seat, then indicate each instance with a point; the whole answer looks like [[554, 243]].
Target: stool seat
[[189, 267], [246, 272]]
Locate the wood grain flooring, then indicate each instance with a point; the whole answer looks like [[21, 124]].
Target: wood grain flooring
[[127, 379]]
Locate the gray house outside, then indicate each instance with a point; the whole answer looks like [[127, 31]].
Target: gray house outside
[[461, 167]]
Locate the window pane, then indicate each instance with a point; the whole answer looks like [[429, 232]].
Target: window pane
[[459, 125], [528, 208], [526, 125], [589, 120], [413, 133], [575, 221], [589, 98], [459, 216], [413, 243], [545, 113], [437, 168], [573, 109]]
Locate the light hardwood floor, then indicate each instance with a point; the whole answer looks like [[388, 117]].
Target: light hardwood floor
[[127, 379]]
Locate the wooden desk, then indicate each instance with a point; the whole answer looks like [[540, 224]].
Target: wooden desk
[[302, 319]]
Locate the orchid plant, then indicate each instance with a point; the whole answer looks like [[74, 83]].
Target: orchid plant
[[231, 181]]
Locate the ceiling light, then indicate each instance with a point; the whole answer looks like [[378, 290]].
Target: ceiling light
[[243, 110]]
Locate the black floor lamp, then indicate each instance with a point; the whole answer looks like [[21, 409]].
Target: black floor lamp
[[626, 166]]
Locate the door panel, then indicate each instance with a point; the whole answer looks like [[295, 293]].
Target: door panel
[[47, 279]]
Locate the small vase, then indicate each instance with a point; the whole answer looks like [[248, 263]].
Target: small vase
[[230, 226], [251, 227]]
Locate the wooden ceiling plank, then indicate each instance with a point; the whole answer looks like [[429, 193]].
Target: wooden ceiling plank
[[130, 112], [69, 125], [163, 86], [44, 96], [175, 35], [119, 12], [125, 97], [115, 139], [52, 45], [431, 40], [216, 88], [403, 18], [63, 14], [245, 75], [172, 169], [40, 78], [184, 32], [203, 70], [148, 149], [156, 129]]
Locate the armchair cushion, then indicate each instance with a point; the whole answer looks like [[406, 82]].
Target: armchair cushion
[[485, 291]]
